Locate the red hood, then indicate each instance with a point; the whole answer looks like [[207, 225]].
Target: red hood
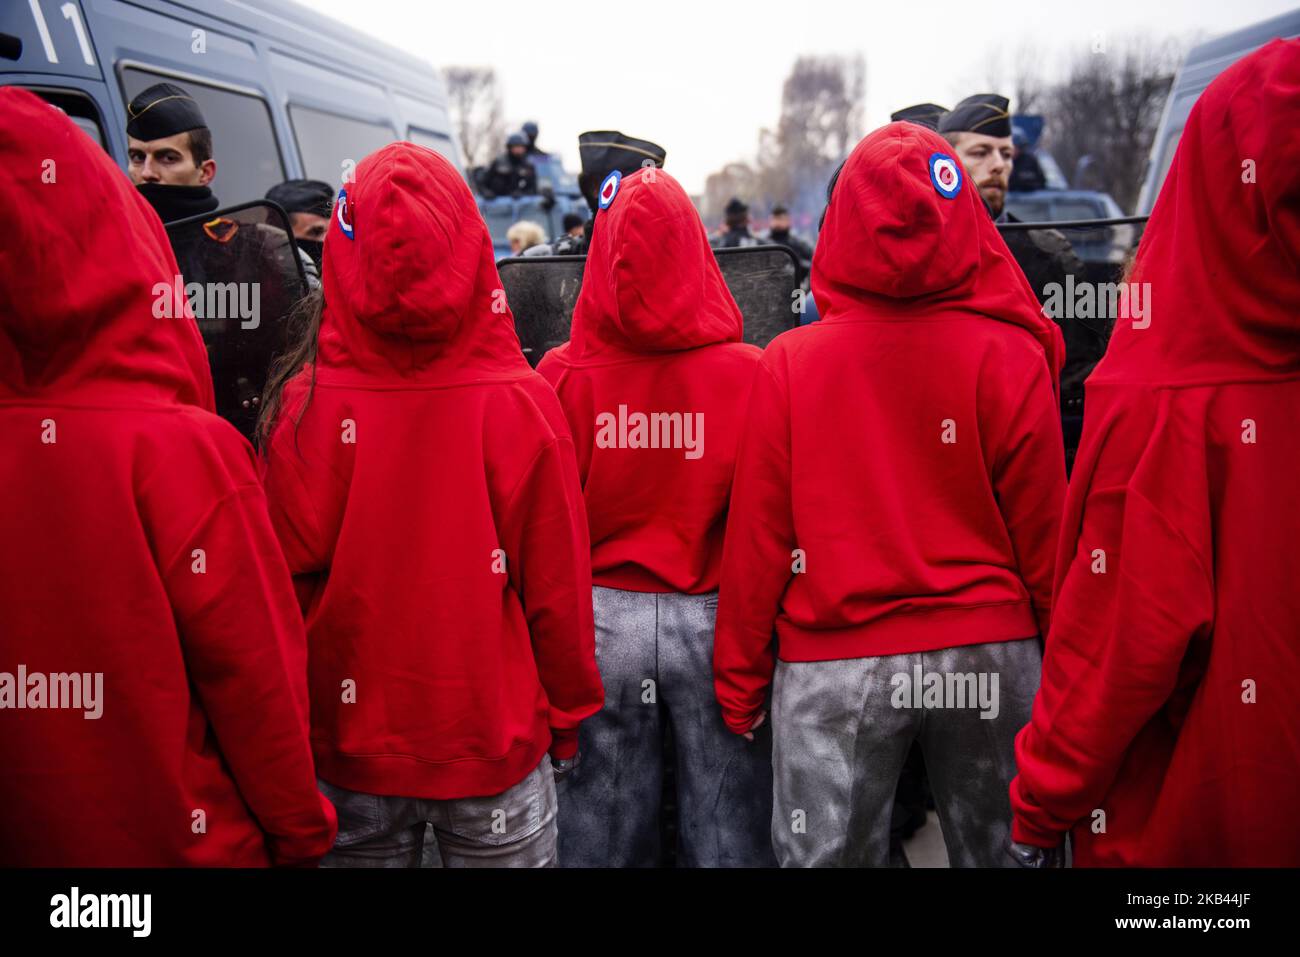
[[413, 293], [651, 282], [893, 246], [79, 265], [1222, 254]]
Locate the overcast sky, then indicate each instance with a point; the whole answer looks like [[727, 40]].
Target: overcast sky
[[701, 77]]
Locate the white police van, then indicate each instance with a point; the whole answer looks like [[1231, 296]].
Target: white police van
[[286, 92], [1203, 64]]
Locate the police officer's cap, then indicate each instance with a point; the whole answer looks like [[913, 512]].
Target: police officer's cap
[[303, 196], [982, 113], [163, 110], [923, 114]]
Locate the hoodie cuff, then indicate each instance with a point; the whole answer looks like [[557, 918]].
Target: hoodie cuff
[[1022, 832], [564, 743], [740, 722]]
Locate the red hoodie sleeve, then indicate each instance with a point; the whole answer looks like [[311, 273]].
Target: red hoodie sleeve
[[246, 653], [544, 531], [756, 556], [1029, 481], [1119, 636]]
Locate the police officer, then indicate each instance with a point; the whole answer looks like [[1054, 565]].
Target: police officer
[[530, 136], [169, 152], [779, 233], [512, 173], [979, 129], [735, 232], [309, 203]]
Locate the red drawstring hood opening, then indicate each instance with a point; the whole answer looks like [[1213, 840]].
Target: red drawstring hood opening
[[906, 232], [85, 265], [1222, 249], [411, 286], [651, 282]]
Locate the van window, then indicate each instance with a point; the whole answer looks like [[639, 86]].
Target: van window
[[439, 142], [327, 142], [78, 106], [243, 140]]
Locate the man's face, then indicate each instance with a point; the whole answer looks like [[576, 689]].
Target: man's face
[[518, 152], [168, 161], [781, 222], [576, 231], [988, 163], [309, 226]]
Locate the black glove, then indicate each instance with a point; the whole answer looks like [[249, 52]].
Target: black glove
[[1027, 855]]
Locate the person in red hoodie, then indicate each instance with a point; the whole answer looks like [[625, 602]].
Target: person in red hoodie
[[423, 484], [654, 381], [153, 701], [1167, 729], [894, 517]]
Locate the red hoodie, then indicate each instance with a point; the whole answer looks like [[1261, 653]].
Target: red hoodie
[[1168, 701], [139, 549], [430, 501], [655, 331], [901, 477]]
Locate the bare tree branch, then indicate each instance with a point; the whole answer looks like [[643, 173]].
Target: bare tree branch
[[474, 100]]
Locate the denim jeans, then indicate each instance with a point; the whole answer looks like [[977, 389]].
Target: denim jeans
[[655, 653], [842, 731], [515, 828]]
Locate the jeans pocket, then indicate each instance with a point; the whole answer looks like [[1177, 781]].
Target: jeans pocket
[[510, 816], [361, 815]]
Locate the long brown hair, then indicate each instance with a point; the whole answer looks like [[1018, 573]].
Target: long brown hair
[[303, 331]]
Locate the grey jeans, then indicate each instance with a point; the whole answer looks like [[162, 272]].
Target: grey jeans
[[842, 730], [515, 828], [655, 653]]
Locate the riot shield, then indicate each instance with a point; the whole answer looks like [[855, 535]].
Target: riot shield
[[1076, 269], [762, 281], [543, 290], [242, 276]]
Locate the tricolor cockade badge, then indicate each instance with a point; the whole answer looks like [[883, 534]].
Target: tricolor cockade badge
[[609, 188], [343, 213], [945, 173]]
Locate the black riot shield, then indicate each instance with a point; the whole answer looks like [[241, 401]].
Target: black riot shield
[[242, 276], [762, 281], [1076, 270], [543, 290]]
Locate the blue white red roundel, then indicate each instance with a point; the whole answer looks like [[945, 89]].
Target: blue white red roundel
[[609, 189], [343, 213], [945, 173]]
